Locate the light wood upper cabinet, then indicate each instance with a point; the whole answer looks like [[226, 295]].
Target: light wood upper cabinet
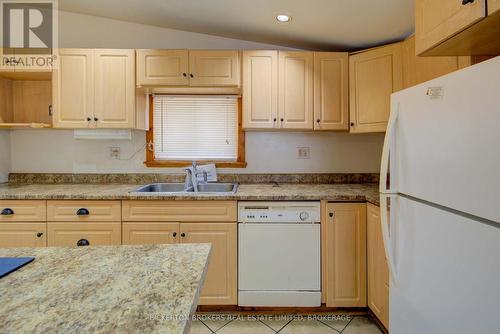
[[21, 234], [162, 67], [373, 76], [214, 68], [345, 255], [94, 88], [194, 68], [378, 271], [420, 69], [260, 89], [295, 90], [220, 286], [73, 89], [436, 21], [331, 89], [114, 88], [150, 233]]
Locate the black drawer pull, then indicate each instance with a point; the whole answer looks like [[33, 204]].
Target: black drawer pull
[[174, 234], [7, 212], [464, 2], [82, 212], [82, 242], [183, 235], [39, 234]]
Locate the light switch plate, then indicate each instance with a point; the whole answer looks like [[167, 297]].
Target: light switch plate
[[303, 152]]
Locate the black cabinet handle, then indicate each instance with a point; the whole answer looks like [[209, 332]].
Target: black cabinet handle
[[191, 75], [50, 110], [183, 235], [82, 212], [7, 212], [82, 242], [318, 120], [352, 123], [89, 119], [39, 234], [96, 119], [174, 234], [184, 74], [464, 2], [331, 214], [282, 120]]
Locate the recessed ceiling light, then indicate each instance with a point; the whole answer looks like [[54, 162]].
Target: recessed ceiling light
[[283, 18]]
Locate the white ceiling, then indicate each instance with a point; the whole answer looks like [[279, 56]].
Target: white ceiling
[[315, 24]]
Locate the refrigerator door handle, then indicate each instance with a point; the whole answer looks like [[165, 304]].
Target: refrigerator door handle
[[384, 220], [388, 140]]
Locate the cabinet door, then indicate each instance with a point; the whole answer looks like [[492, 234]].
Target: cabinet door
[[436, 21], [373, 76], [378, 272], [97, 234], [331, 72], [295, 90], [115, 88], [214, 68], [150, 233], [420, 69], [260, 89], [220, 283], [162, 67], [73, 89], [493, 6], [346, 255], [23, 235]]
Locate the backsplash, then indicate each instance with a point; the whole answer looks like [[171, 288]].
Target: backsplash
[[143, 178]]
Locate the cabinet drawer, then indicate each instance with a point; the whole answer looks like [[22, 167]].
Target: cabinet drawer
[[178, 211], [27, 211], [22, 234], [97, 234], [150, 233], [74, 211]]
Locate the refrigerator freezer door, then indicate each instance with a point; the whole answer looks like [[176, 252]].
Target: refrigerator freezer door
[[448, 272], [447, 141]]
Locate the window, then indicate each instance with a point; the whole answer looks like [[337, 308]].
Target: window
[[195, 127]]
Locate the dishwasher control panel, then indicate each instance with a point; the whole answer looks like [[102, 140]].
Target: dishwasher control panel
[[279, 212]]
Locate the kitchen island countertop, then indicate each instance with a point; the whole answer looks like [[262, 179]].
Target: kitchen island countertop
[[106, 289]]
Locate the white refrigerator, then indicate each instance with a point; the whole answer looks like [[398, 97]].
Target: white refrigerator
[[442, 237]]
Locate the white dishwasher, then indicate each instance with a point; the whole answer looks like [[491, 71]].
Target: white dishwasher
[[279, 254]]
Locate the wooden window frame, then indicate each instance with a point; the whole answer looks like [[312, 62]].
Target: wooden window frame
[[150, 154]]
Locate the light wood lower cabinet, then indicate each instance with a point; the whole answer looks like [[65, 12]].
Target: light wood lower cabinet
[[150, 233], [220, 286], [20, 234], [378, 271], [96, 234], [345, 254], [23, 211]]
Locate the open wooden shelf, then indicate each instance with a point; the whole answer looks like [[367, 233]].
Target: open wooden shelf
[[25, 100]]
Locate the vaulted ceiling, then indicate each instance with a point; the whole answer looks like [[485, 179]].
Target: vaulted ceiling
[[315, 24]]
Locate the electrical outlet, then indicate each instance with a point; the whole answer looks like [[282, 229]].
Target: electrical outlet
[[303, 152], [114, 152]]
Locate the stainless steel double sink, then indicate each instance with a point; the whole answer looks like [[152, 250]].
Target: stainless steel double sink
[[171, 188]]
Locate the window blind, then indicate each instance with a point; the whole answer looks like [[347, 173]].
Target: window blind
[[194, 127]]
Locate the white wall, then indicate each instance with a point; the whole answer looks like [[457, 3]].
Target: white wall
[[57, 151], [5, 162]]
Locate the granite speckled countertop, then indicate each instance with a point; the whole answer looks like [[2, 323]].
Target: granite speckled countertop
[[107, 289], [253, 192]]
